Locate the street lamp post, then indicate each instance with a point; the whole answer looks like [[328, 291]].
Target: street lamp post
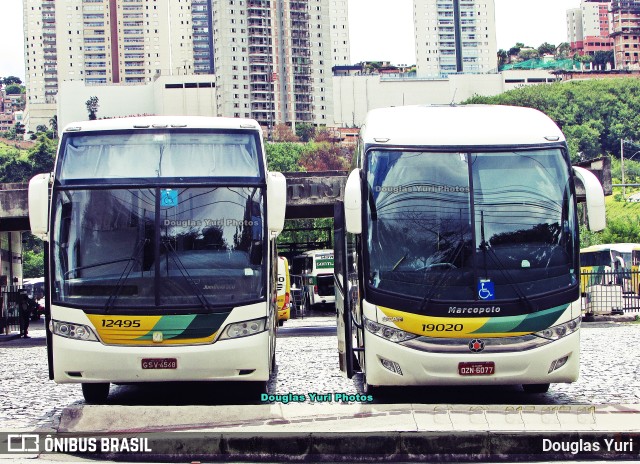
[[624, 190]]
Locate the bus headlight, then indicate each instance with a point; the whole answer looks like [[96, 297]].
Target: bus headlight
[[244, 329], [561, 330], [386, 332], [74, 331]]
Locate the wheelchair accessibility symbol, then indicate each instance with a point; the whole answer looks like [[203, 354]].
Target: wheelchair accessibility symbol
[[168, 198], [486, 290]]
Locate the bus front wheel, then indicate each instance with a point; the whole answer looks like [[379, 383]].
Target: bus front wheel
[[95, 393], [536, 388]]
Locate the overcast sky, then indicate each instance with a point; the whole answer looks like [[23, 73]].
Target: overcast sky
[[378, 29]]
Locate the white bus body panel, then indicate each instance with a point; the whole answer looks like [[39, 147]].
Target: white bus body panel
[[516, 368], [425, 368], [222, 360]]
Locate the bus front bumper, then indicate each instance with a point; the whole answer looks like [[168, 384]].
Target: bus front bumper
[[241, 359], [408, 366]]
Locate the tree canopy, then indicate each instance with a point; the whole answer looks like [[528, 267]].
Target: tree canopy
[[593, 114]]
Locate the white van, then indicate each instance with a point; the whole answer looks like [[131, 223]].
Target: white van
[[316, 269]]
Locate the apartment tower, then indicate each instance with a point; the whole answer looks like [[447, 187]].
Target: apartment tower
[[454, 36], [273, 60], [589, 27], [625, 24], [113, 42]]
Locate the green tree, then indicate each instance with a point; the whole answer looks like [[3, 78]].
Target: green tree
[[284, 156], [525, 55], [503, 57], [92, 107], [324, 156], [32, 264], [13, 89], [42, 155], [9, 80], [306, 131], [593, 114], [602, 58], [563, 51], [53, 124], [546, 49]]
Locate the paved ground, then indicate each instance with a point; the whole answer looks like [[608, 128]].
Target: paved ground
[[307, 362]]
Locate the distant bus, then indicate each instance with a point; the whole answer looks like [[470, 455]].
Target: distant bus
[[283, 291], [316, 268], [607, 264]]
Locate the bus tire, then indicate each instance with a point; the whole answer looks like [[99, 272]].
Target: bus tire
[[368, 389], [536, 388], [257, 388], [95, 393]]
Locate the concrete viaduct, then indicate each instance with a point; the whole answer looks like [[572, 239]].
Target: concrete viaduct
[[309, 194]]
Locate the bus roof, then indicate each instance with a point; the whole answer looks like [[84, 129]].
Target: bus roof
[[621, 247], [465, 125], [162, 122]]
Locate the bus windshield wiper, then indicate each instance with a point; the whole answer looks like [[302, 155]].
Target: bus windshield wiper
[[427, 298], [486, 248], [131, 261], [183, 270]]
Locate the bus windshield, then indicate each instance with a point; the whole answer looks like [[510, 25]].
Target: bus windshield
[[149, 154], [596, 258], [158, 247], [470, 226]]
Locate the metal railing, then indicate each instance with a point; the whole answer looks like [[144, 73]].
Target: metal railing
[[610, 292]]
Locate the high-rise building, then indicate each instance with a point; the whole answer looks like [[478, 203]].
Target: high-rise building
[[454, 36], [589, 27], [625, 25], [113, 42], [340, 45], [273, 60]]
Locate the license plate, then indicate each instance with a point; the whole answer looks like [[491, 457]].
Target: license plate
[[159, 363], [476, 368]]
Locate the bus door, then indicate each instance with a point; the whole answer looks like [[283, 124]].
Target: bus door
[[346, 291]]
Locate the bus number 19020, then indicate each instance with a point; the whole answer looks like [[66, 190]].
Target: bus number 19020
[[442, 327]]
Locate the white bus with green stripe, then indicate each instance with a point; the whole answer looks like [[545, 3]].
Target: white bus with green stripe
[[160, 252], [457, 249]]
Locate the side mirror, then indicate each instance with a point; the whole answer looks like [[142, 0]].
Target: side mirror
[[276, 202], [353, 203], [595, 198], [39, 205]]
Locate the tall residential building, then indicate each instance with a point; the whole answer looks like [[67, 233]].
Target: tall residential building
[[626, 33], [589, 27], [454, 36], [273, 60], [340, 46], [113, 42]]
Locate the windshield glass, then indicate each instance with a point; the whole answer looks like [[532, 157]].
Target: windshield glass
[[469, 226], [596, 258], [158, 247], [145, 154]]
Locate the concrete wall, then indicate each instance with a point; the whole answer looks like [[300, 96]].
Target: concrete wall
[[352, 96]]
